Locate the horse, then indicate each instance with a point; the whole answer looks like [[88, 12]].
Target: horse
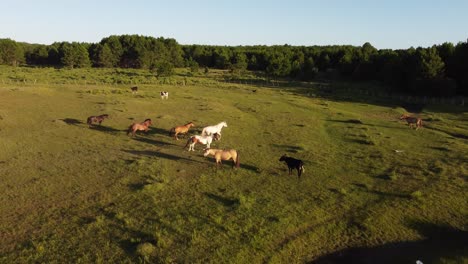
[[412, 121], [221, 154], [134, 89], [164, 95], [139, 126], [180, 130], [213, 129], [96, 119], [205, 140], [293, 164]]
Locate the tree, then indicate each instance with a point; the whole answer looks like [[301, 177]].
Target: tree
[[430, 63], [74, 55], [238, 62], [11, 53], [162, 68]]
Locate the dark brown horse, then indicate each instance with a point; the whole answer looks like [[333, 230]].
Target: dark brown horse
[[180, 130], [139, 126], [416, 121], [96, 119]]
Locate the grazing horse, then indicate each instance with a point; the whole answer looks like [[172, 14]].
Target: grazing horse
[[180, 130], [96, 119], [209, 130], [134, 89], [221, 154], [164, 95], [412, 121], [293, 164], [205, 140], [139, 126]]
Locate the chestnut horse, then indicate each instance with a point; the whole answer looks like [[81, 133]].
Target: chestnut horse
[[139, 126], [221, 154], [205, 140], [412, 121], [180, 130], [96, 119]]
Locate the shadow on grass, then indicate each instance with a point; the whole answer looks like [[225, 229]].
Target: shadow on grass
[[151, 141], [228, 202], [288, 148], [106, 129], [159, 155], [349, 121], [441, 242], [158, 131], [455, 135], [71, 121]]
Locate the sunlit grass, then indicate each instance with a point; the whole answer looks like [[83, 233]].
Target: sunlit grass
[[76, 194]]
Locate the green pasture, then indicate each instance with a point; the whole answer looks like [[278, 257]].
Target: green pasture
[[373, 191]]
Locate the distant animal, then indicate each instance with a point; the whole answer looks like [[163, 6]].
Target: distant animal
[[417, 122], [96, 119], [221, 154], [204, 140], [139, 126], [134, 89], [293, 164], [180, 130], [209, 130], [254, 91], [164, 95]]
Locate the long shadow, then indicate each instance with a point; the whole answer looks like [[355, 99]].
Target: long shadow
[[455, 135], [349, 121], [441, 242], [159, 131], [249, 167], [228, 202], [159, 155], [151, 141], [71, 121], [106, 129]]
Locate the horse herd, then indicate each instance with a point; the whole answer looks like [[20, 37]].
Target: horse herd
[[213, 133]]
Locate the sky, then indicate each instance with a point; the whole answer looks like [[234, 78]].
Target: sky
[[389, 24]]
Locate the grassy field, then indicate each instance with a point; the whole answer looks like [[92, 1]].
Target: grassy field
[[373, 191]]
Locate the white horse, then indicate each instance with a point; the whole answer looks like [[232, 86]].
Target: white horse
[[205, 140], [209, 130]]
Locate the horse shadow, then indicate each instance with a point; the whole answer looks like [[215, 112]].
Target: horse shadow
[[441, 242], [105, 129], [159, 155], [72, 121], [152, 141], [159, 131], [228, 202]]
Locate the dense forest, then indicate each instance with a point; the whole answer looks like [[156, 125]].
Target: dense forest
[[440, 70]]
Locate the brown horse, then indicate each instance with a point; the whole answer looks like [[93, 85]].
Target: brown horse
[[96, 119], [180, 130], [139, 126], [221, 154], [412, 121]]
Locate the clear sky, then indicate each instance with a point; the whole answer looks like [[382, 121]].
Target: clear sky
[[395, 24]]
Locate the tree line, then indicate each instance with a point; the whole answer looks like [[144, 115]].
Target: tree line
[[440, 70]]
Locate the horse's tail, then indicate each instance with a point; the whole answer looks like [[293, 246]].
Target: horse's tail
[[188, 142], [129, 129], [89, 121], [237, 160], [172, 131]]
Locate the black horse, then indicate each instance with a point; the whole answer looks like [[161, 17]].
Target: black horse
[[293, 164]]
